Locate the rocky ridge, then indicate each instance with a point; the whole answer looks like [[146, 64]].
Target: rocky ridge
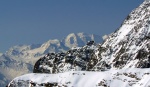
[[128, 47], [124, 50]]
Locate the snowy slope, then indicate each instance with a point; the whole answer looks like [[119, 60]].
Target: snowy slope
[[122, 60], [113, 78], [130, 45]]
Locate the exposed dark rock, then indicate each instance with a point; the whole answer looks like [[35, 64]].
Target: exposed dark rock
[[82, 57]]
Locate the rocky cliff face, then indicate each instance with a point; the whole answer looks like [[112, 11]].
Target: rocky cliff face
[[127, 47], [76, 59]]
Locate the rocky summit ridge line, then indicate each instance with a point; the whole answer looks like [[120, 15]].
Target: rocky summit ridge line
[[118, 56], [129, 46]]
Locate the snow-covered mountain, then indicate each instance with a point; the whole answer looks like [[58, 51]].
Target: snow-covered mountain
[[20, 59], [10, 68], [27, 53], [129, 47], [112, 78], [122, 60]]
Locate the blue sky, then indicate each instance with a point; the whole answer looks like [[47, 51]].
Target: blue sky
[[36, 21]]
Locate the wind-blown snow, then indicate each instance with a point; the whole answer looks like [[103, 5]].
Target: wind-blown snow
[[114, 78]]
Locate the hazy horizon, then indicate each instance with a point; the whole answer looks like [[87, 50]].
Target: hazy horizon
[[34, 22]]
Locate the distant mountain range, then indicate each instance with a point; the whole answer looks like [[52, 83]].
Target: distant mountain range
[[122, 60], [20, 59]]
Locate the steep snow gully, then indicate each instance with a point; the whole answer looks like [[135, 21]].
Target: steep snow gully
[[122, 60]]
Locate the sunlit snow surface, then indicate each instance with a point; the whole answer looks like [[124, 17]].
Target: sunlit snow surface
[[113, 78], [123, 51]]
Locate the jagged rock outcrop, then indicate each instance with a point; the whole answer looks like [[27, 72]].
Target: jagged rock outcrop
[[127, 47], [75, 59], [122, 52]]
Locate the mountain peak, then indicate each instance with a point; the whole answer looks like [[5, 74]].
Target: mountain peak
[[77, 39], [118, 57], [128, 47], [23, 57]]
